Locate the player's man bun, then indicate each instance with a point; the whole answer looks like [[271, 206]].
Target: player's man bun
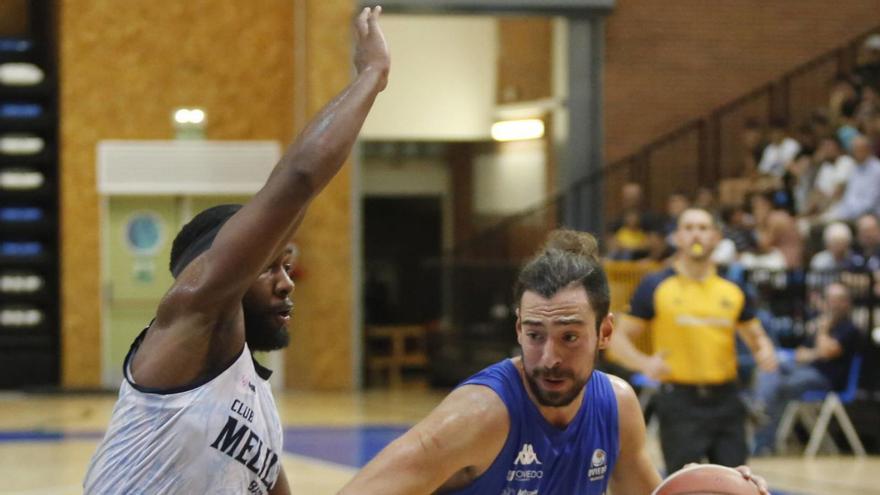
[[567, 257], [574, 242]]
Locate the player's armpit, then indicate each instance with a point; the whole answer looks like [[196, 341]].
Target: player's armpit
[[634, 473], [464, 433]]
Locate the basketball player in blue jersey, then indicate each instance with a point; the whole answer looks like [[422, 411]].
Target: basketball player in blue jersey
[[195, 414], [545, 423]]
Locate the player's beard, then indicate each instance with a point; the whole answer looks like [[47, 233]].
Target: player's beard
[[553, 398], [263, 334]]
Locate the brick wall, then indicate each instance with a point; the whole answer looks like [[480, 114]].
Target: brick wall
[[667, 62]]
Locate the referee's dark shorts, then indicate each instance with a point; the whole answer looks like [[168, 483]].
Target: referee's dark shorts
[[701, 421]]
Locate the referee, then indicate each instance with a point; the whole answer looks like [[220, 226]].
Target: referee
[[693, 315]]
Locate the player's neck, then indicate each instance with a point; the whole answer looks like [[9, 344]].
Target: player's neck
[[695, 269]]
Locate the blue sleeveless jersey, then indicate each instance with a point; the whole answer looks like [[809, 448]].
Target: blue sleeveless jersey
[[540, 459]]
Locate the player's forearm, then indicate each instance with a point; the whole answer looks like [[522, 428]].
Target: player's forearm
[[256, 232], [322, 147], [756, 340], [626, 353]]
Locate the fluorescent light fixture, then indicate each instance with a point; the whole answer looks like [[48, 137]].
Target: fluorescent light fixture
[[518, 130], [189, 123], [189, 116], [196, 116]]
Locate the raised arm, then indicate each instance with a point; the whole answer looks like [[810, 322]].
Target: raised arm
[[251, 238], [457, 442]]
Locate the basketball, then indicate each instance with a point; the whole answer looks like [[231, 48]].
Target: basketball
[[706, 479]]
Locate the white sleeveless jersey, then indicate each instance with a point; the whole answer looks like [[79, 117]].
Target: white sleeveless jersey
[[219, 437]]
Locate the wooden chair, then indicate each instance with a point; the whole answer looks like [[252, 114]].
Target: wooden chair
[[407, 349]]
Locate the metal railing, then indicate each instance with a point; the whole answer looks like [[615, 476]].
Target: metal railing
[[707, 149]]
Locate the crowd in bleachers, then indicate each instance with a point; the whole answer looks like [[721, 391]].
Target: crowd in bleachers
[[803, 221], [801, 192]]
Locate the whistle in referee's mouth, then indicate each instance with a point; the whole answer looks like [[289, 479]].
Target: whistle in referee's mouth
[[697, 249]]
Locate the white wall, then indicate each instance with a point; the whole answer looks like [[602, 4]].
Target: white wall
[[443, 78], [510, 180]]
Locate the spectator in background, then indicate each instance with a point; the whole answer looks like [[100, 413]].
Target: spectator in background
[[631, 239], [806, 136], [804, 171], [838, 249], [821, 364], [753, 142], [737, 226], [868, 69], [637, 229], [835, 167], [843, 89], [866, 257], [781, 150], [676, 203], [869, 106], [862, 193], [819, 122], [779, 243], [849, 126], [707, 199]]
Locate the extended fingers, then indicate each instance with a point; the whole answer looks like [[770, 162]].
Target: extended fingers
[[361, 22], [374, 17]]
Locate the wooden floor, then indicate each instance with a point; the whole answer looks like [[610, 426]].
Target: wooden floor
[[46, 442]]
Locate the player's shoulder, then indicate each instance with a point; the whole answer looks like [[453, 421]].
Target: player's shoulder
[[624, 393], [726, 281], [468, 419], [620, 386], [475, 401], [650, 283]]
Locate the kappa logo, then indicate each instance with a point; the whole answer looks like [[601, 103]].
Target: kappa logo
[[598, 465], [526, 456]]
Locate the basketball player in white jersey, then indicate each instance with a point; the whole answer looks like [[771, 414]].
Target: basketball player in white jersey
[[195, 414]]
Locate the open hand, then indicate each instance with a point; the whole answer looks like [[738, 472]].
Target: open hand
[[655, 367], [371, 52]]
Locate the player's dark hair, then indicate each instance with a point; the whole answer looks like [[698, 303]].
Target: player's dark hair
[[197, 236], [568, 257]]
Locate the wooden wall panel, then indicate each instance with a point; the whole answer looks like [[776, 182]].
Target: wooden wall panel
[[525, 59], [321, 353], [123, 67]]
